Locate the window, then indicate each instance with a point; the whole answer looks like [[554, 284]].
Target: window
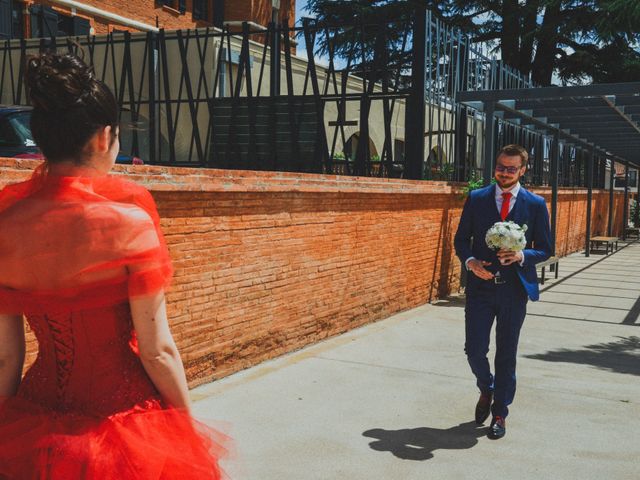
[[73, 26], [218, 13], [201, 9], [65, 26], [633, 180], [180, 5], [8, 137], [21, 123], [10, 19], [16, 19], [15, 130], [5, 19], [46, 22]]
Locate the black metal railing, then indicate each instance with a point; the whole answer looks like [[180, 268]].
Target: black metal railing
[[374, 100]]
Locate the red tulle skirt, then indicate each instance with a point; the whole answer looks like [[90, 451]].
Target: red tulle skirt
[[147, 442]]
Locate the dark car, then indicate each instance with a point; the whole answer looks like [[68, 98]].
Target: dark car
[[16, 139], [15, 132]]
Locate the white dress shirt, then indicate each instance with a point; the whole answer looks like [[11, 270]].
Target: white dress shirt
[[499, 199], [512, 201]]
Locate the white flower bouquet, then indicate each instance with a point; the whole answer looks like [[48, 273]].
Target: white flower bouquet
[[506, 236]]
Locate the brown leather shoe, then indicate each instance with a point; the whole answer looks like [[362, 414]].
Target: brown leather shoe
[[483, 407], [498, 428]]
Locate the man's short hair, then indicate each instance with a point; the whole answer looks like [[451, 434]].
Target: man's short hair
[[513, 150]]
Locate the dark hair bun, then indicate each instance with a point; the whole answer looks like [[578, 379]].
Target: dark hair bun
[[69, 105], [58, 82]]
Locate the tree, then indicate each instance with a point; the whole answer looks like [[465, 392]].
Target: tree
[[579, 40], [353, 33]]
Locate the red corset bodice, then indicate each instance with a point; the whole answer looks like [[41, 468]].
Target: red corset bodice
[[87, 362]]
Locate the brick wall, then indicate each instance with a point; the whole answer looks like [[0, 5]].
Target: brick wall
[[258, 11], [572, 220], [148, 11], [266, 263], [145, 11]]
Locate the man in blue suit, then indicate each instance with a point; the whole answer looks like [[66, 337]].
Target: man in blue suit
[[501, 297]]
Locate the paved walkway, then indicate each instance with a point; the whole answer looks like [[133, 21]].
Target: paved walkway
[[394, 400]]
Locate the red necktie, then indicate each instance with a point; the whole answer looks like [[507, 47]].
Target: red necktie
[[504, 211]]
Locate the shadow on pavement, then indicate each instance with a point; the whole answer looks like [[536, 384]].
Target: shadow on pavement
[[622, 356], [420, 443], [634, 314], [451, 301]]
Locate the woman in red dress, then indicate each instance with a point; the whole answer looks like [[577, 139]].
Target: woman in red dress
[[82, 257]]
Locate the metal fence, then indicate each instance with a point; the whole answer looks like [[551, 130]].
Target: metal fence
[[374, 100]]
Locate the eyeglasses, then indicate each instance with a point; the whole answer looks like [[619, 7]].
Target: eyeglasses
[[509, 170]]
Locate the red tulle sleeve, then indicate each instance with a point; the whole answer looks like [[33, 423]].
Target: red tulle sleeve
[[147, 259], [78, 242]]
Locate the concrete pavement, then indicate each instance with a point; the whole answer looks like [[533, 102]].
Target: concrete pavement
[[395, 399]]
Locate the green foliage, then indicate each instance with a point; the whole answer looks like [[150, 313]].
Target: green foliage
[[635, 213], [579, 40], [445, 172], [475, 182], [348, 40], [340, 156]]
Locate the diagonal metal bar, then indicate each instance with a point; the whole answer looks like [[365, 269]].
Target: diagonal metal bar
[[626, 118]]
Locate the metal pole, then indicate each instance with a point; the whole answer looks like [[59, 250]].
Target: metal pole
[[590, 166], [152, 56], [625, 215], [612, 174], [637, 199], [461, 173], [553, 180], [488, 156], [274, 81], [416, 103]]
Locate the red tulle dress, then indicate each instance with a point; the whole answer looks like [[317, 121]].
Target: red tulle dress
[[73, 251]]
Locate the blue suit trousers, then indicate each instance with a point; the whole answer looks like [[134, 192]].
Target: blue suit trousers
[[507, 305]]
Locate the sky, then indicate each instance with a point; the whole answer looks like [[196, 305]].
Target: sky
[[301, 52], [300, 9]]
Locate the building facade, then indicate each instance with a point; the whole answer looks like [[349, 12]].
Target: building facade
[[60, 18]]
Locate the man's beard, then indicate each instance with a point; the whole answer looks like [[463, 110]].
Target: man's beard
[[505, 184]]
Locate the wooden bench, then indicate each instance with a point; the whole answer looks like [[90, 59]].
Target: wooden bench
[[608, 242], [632, 232], [552, 263]]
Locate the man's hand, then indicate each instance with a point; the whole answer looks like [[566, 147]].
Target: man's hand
[[477, 267], [507, 257]]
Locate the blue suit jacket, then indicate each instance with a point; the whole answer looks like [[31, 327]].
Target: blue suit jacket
[[480, 213]]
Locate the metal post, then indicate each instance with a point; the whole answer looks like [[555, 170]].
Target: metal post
[[488, 156], [612, 174], [590, 167], [553, 180], [152, 59], [461, 174], [625, 215], [416, 103], [637, 199], [274, 80], [603, 172]]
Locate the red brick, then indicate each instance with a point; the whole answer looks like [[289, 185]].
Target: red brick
[[268, 270], [152, 11]]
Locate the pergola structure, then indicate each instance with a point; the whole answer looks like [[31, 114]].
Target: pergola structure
[[603, 119]]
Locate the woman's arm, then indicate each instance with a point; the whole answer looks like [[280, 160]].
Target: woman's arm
[[11, 353], [158, 351]]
